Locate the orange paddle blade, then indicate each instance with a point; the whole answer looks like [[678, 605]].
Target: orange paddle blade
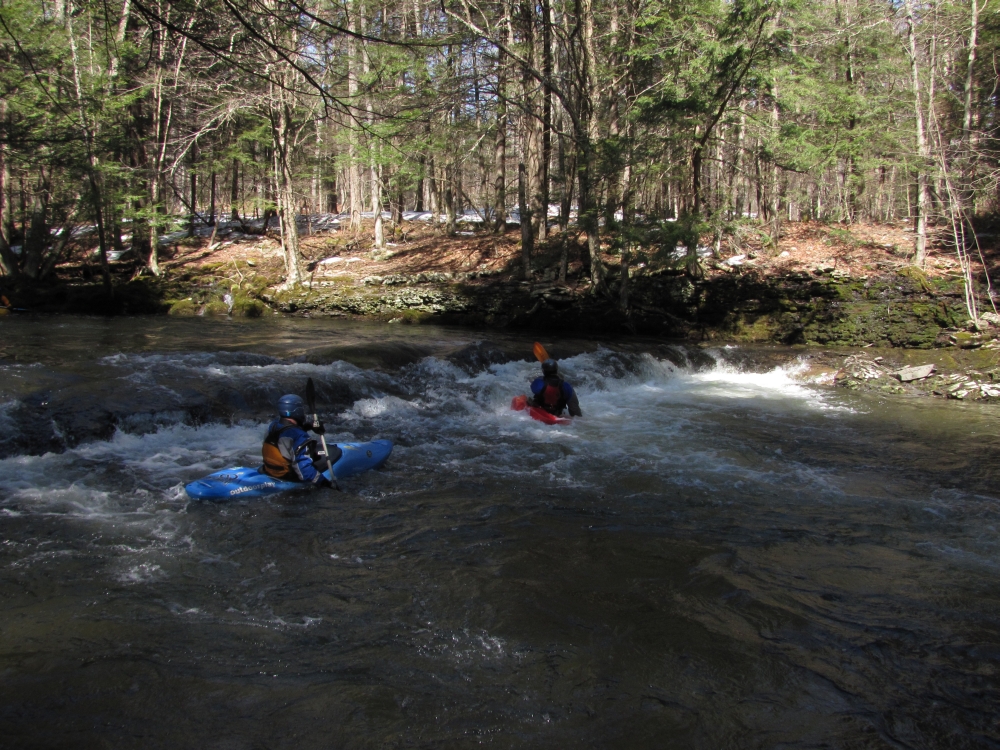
[[6, 302], [520, 403], [540, 354]]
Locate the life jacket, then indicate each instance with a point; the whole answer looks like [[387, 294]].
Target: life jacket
[[552, 397], [276, 464]]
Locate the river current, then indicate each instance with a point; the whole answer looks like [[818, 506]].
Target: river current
[[719, 554]]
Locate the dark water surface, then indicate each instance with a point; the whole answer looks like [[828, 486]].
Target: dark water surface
[[712, 558]]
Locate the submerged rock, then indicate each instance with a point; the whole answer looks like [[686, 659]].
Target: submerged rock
[[477, 357]]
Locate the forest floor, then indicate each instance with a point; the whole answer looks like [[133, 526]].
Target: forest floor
[[858, 251]]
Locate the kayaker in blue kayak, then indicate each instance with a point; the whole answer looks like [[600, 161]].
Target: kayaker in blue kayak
[[552, 393], [289, 453]]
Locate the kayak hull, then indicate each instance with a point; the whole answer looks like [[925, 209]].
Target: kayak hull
[[520, 403], [244, 482]]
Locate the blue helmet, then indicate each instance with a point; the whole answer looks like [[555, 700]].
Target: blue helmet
[[292, 407]]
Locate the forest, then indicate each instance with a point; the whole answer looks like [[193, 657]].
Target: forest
[[642, 127]]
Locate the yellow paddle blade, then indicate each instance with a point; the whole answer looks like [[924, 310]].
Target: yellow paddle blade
[[540, 354]]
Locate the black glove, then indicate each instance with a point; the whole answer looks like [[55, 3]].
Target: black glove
[[324, 482], [318, 428]]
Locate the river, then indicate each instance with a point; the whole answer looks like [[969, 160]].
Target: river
[[717, 555]]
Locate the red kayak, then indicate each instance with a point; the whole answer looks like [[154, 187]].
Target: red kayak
[[520, 403]]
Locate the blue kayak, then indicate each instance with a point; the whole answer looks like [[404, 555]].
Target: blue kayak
[[242, 482]]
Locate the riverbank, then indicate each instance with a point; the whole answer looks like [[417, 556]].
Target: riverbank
[[830, 286]]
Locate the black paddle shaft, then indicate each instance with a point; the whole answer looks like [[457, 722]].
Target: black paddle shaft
[[311, 401], [311, 396]]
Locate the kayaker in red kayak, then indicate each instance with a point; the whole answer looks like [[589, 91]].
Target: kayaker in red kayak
[[552, 393]]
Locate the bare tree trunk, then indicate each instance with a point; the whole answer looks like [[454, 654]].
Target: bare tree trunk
[[317, 171], [433, 188], [377, 206], [923, 152], [162, 114], [193, 175], [587, 140], [119, 38], [532, 127], [234, 193], [734, 188], [418, 197], [500, 150], [773, 189], [281, 130], [567, 166], [525, 211], [628, 217], [8, 261], [968, 149], [93, 176], [354, 167], [211, 201], [528, 133], [451, 217], [543, 224]]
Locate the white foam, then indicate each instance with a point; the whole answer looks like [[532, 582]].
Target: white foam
[[643, 416]]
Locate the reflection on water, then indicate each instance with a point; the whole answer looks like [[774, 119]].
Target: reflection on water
[[710, 558]]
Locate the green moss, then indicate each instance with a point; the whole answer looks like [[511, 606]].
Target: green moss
[[895, 389], [845, 292], [413, 317], [247, 307], [340, 279], [916, 275], [258, 283], [756, 328], [966, 340], [184, 307], [217, 308]]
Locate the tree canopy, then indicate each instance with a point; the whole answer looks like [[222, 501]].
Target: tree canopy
[[621, 116]]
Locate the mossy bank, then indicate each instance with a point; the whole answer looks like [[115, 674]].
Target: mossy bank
[[901, 309], [904, 309]]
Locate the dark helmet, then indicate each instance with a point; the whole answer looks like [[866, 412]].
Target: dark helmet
[[293, 407], [549, 367]]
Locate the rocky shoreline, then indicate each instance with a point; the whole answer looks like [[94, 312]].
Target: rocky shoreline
[[953, 374]]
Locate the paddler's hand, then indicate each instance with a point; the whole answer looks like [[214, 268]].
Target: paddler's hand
[[326, 483], [318, 428]]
